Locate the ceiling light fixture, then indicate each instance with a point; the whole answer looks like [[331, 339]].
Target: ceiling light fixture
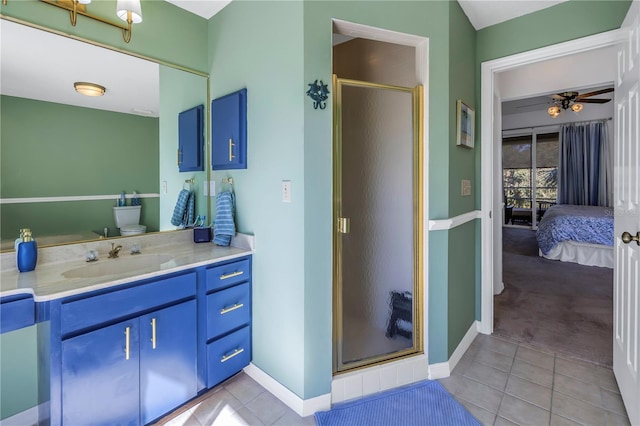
[[576, 107], [128, 10], [89, 89]]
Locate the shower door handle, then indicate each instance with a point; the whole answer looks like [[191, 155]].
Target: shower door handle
[[344, 225]]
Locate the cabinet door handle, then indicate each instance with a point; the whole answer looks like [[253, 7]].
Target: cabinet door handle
[[153, 333], [231, 308], [228, 357], [231, 275], [127, 332], [231, 145]]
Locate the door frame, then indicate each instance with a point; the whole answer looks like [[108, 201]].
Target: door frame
[[491, 200]]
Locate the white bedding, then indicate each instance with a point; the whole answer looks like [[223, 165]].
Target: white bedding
[[582, 253]]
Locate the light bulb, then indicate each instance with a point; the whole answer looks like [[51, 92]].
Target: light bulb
[[576, 107]]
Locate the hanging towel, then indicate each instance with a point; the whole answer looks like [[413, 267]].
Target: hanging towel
[[184, 211], [224, 228]]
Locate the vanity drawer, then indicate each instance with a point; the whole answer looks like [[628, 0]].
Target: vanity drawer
[[91, 311], [227, 275], [227, 356], [16, 312], [228, 309]]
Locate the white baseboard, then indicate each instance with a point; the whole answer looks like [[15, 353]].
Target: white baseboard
[[444, 369], [27, 417], [304, 407]]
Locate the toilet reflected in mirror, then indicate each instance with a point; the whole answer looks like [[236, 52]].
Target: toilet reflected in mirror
[[128, 220]]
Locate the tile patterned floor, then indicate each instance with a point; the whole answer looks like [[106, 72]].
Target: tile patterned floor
[[499, 381], [502, 382]]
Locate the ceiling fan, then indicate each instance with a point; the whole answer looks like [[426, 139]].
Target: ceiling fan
[[574, 100]]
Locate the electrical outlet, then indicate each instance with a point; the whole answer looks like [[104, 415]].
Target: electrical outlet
[[286, 191], [466, 188]]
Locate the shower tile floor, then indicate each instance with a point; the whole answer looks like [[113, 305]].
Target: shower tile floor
[[500, 381]]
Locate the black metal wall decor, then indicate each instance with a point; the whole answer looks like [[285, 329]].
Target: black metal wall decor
[[319, 93]]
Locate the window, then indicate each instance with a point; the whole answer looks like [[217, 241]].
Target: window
[[529, 180]]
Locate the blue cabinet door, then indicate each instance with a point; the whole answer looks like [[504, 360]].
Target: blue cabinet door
[[191, 139], [229, 131], [168, 359], [100, 379]]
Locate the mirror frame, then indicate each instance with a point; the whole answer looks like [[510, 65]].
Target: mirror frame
[[207, 133]]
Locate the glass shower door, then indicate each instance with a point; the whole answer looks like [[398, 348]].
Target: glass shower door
[[377, 273]]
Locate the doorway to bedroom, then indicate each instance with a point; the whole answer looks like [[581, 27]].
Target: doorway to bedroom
[[556, 306]]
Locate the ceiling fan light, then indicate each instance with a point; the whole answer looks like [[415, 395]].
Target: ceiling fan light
[[576, 107], [554, 111], [89, 89]]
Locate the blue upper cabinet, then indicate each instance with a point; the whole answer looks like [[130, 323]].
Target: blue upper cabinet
[[191, 140], [229, 131]]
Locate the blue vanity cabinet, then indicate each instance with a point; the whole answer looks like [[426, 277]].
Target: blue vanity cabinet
[[99, 380], [228, 319], [229, 131], [191, 139], [125, 356], [168, 359]]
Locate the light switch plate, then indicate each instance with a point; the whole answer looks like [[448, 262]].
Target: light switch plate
[[209, 187], [466, 188], [286, 191]]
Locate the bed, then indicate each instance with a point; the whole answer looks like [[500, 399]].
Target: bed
[[579, 234]]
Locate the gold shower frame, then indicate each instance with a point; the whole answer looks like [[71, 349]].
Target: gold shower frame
[[418, 227]]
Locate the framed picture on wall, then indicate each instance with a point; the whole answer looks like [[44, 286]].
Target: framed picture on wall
[[466, 122]]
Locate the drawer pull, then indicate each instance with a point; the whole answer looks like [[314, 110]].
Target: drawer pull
[[228, 357], [231, 308], [153, 333], [126, 342], [231, 275]]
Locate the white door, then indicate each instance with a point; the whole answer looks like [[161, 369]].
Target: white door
[[626, 355], [498, 208]]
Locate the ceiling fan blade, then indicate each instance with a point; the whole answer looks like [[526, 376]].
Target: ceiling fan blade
[[558, 97], [597, 92], [593, 101]]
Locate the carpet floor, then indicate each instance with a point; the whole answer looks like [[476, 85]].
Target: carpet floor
[[556, 306]]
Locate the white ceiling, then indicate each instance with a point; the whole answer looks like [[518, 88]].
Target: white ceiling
[[481, 13], [484, 13], [204, 8]]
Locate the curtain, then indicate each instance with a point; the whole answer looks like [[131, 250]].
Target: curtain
[[585, 165]]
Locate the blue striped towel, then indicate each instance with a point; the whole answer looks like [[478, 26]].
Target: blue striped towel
[[224, 228], [184, 211]]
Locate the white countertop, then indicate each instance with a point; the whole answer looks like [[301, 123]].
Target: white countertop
[[48, 282]]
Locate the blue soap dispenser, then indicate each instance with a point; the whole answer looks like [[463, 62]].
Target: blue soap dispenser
[[27, 252]]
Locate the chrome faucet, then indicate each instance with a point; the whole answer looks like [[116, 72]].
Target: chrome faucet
[[113, 253]]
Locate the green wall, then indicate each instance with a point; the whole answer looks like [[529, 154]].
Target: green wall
[[258, 45], [18, 371], [566, 21], [51, 150]]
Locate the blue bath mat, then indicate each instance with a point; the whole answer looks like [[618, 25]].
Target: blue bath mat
[[421, 403]]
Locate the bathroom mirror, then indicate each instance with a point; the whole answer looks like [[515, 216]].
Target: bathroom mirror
[[66, 157]]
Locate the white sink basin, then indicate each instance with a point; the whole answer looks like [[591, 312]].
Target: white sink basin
[[121, 265]]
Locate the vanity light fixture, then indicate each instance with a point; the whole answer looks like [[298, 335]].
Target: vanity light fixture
[[128, 10], [89, 89]]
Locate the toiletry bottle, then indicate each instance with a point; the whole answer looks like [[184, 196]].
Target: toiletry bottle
[[19, 240], [27, 254], [135, 201], [123, 200]]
